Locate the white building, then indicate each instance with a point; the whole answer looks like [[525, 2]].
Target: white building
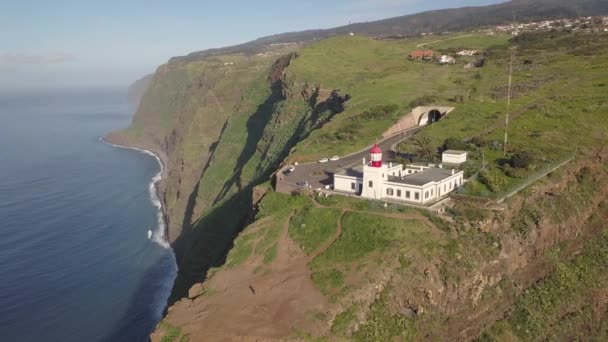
[[445, 59], [411, 183], [467, 52], [454, 157]]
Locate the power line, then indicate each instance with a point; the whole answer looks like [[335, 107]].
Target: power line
[[508, 102]]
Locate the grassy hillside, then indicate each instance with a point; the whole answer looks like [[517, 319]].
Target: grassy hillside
[[339, 268], [454, 19], [378, 73]]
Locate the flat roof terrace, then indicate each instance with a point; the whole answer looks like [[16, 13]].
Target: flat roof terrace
[[421, 178]]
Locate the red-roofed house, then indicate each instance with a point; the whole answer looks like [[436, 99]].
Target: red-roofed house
[[424, 55]]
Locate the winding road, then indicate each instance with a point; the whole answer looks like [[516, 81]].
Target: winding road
[[320, 174]]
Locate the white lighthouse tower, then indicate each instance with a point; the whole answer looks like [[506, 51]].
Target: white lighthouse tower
[[374, 175]]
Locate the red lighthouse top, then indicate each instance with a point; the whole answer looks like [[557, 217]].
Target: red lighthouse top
[[376, 156]]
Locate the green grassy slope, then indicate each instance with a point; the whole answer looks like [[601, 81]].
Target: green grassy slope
[[226, 128]]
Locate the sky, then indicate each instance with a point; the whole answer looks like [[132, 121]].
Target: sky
[[111, 43]]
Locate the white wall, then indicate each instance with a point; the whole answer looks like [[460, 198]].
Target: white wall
[[453, 158], [344, 183], [404, 189], [377, 176]]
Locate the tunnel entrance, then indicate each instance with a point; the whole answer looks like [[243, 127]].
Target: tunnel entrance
[[430, 117]]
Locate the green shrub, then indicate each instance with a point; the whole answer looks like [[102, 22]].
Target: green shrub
[[494, 179], [522, 159], [343, 321], [422, 100], [454, 144], [376, 113]]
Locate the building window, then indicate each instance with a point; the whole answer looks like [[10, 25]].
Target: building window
[[416, 195], [352, 186], [407, 194], [370, 184], [409, 171], [445, 187], [426, 194], [431, 192], [398, 193], [389, 191]]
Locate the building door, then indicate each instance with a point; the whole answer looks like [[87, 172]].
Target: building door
[[360, 189]]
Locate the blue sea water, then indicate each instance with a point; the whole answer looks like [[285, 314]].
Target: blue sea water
[[76, 263]]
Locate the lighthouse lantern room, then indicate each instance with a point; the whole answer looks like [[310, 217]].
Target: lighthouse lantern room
[[376, 156]]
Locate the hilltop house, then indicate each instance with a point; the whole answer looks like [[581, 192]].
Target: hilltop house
[[422, 55], [414, 184], [467, 53], [445, 59]]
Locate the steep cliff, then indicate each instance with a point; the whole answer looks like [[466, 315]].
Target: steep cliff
[[221, 126]]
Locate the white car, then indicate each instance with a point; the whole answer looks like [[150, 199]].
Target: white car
[[323, 160], [334, 158]]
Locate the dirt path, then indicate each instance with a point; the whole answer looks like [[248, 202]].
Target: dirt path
[[333, 239], [441, 40], [402, 216]]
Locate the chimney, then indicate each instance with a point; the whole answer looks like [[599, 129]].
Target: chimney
[[363, 161], [453, 171], [390, 164]]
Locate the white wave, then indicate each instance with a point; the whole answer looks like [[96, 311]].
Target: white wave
[[158, 235]]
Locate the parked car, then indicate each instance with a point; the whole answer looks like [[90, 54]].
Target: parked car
[[334, 158], [323, 160], [289, 171], [303, 183]]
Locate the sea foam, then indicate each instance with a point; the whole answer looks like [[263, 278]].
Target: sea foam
[[158, 235]]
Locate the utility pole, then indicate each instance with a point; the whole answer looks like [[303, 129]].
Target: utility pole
[[508, 102]]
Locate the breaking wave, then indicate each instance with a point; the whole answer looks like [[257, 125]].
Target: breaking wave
[[158, 235]]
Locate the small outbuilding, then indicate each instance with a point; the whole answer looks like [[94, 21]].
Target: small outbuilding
[[445, 59], [454, 157]]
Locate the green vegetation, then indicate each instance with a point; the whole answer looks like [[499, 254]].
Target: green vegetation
[[376, 74], [171, 332], [343, 321], [328, 280], [312, 227], [241, 251], [382, 325], [271, 254], [540, 312]]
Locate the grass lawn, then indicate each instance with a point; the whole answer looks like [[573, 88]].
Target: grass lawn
[[312, 227]]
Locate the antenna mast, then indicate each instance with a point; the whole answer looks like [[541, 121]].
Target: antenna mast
[[508, 103]]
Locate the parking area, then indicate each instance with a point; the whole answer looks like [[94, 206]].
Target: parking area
[[318, 175]]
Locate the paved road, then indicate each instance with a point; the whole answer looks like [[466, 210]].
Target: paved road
[[320, 174]]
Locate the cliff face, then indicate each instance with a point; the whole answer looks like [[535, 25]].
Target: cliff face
[[137, 90], [221, 128]]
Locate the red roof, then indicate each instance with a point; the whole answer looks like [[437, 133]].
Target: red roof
[[421, 53], [375, 149]]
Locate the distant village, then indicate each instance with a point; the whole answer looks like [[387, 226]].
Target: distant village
[[582, 24]]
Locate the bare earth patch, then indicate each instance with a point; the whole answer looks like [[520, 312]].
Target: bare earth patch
[[254, 303]]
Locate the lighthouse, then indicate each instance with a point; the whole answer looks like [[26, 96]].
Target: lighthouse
[[376, 156]]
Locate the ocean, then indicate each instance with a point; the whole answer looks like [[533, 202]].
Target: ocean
[[76, 263]]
